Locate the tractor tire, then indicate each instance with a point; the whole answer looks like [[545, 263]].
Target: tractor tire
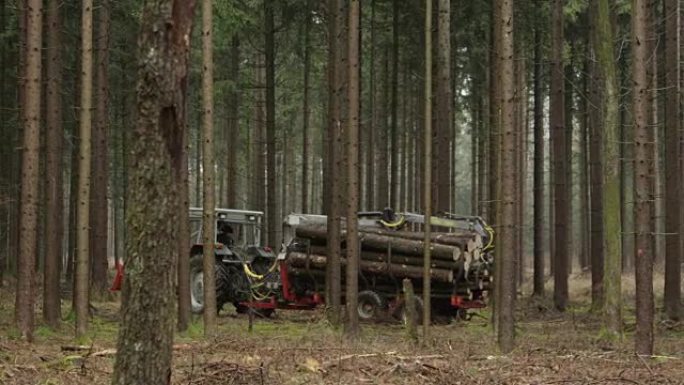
[[197, 284], [371, 306], [402, 314]]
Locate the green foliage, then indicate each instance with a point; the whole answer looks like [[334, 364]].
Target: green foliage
[[194, 331], [45, 332], [574, 8]]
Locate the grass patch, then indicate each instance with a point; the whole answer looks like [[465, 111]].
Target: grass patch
[[195, 331]]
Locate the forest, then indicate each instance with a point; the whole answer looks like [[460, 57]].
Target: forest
[[341, 192]]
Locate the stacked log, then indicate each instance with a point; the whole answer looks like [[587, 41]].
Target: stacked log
[[393, 255], [300, 260]]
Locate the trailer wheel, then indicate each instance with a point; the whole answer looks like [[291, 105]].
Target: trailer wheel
[[372, 306]]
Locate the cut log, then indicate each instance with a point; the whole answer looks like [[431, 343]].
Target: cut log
[[297, 259], [384, 242], [464, 240], [378, 256]]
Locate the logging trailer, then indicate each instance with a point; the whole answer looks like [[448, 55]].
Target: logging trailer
[[392, 249], [252, 276]]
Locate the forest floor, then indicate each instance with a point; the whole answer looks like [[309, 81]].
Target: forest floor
[[301, 348]]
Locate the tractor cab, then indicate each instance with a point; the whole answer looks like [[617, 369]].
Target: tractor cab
[[234, 228]]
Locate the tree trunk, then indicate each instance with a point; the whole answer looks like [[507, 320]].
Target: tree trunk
[[652, 73], [521, 161], [596, 163], [394, 129], [673, 171], [306, 182], [475, 129], [14, 220], [507, 284], [24, 306], [482, 155], [372, 127], [181, 181], [100, 161], [609, 153], [584, 235], [7, 156], [494, 117], [144, 347], [208, 173], [198, 161], [272, 198], [352, 317], [643, 159], [427, 169], [333, 283], [538, 280], [232, 141], [382, 189], [442, 136], [54, 185], [568, 105], [557, 122], [260, 148], [81, 299]]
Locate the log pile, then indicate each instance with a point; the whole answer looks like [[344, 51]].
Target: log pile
[[458, 259]]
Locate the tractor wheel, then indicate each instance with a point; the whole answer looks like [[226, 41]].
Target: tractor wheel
[[197, 284], [372, 306], [402, 314]]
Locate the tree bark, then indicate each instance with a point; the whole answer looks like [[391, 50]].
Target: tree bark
[[272, 198], [232, 141], [507, 283], [81, 299], [100, 162], [494, 120], [54, 185], [557, 122], [394, 129], [538, 279], [28, 221], [306, 182], [568, 105], [427, 169], [643, 159], [260, 148], [482, 155], [611, 186], [596, 162], [673, 170], [352, 318], [144, 348], [442, 136], [383, 182], [585, 226], [333, 270], [208, 173], [372, 127]]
